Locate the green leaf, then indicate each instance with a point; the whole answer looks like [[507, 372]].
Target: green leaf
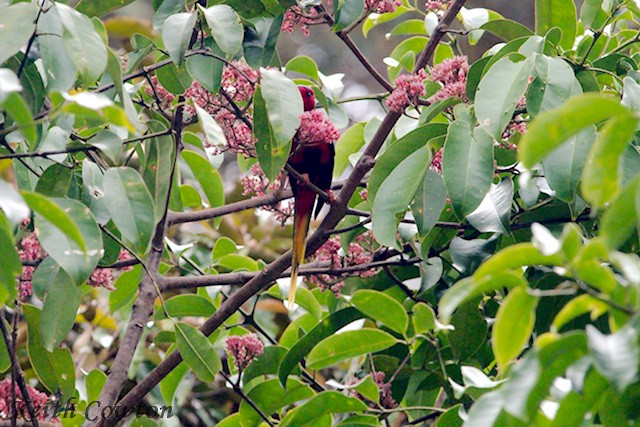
[[284, 105], [577, 307], [555, 82], [470, 288], [170, 384], [600, 182], [197, 352], [399, 151], [513, 325], [424, 319], [17, 24], [500, 91], [327, 402], [59, 311], [360, 421], [212, 130], [557, 13], [55, 370], [395, 194], [176, 34], [430, 199], [376, 19], [265, 364], [347, 345], [259, 46], [185, 305], [506, 29], [347, 12], [83, 43], [55, 181], [564, 166], [270, 156], [12, 204], [10, 267], [615, 356], [467, 166], [126, 286], [328, 326], [552, 128], [514, 257], [18, 109], [304, 65], [381, 307], [174, 79], [57, 63], [109, 143], [208, 178], [207, 70], [350, 142], [60, 224], [493, 213], [130, 206], [270, 397], [100, 7], [619, 221], [226, 27], [95, 381]]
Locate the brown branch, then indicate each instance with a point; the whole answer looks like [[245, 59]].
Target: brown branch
[[272, 271]]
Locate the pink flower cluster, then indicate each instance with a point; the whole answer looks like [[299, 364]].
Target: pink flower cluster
[[102, 277], [244, 349], [39, 400], [238, 80], [452, 74], [438, 6], [31, 251], [436, 161], [409, 88], [383, 6], [316, 128], [256, 183], [295, 16], [360, 252], [384, 389]]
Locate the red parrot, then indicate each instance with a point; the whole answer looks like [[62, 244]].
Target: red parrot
[[312, 156]]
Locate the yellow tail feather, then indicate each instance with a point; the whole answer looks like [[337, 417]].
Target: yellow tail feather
[[300, 230]]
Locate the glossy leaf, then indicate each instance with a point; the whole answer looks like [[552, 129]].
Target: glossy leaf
[[467, 166], [284, 105], [12, 204], [207, 70], [616, 356], [270, 397], [600, 182], [346, 345], [350, 142], [555, 82], [225, 26], [429, 202], [382, 308], [59, 311], [515, 257], [197, 352], [17, 24], [500, 91], [620, 220], [100, 7], [557, 13], [493, 213], [552, 128], [513, 325], [176, 34], [130, 206], [186, 305], [506, 29], [327, 402], [10, 267], [209, 179]]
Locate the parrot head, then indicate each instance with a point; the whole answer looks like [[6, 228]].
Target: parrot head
[[308, 98]]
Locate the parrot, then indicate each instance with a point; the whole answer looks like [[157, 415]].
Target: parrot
[[314, 161]]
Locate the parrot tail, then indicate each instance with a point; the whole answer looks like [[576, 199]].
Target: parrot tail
[[303, 208]]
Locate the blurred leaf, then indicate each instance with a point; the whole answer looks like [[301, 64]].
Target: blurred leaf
[[265, 364], [347, 12], [82, 42], [209, 179], [17, 24], [174, 79], [17, 108], [600, 183], [423, 318], [197, 352], [506, 29], [563, 168], [494, 212], [430, 199], [109, 143], [130, 206], [621, 218], [470, 288], [616, 356], [395, 194], [304, 65], [270, 397], [207, 70], [555, 82], [552, 128], [12, 204], [55, 370], [513, 325], [185, 305], [467, 166], [328, 326], [126, 287], [11, 266], [59, 310], [350, 142], [500, 91], [347, 345], [327, 402], [557, 13], [271, 158], [226, 27], [170, 384], [382, 308], [176, 34], [93, 191], [57, 63], [54, 181], [100, 7], [260, 40], [376, 19], [95, 381], [514, 257], [284, 105], [579, 306], [469, 331]]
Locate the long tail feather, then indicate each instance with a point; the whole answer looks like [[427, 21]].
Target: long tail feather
[[303, 207]]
